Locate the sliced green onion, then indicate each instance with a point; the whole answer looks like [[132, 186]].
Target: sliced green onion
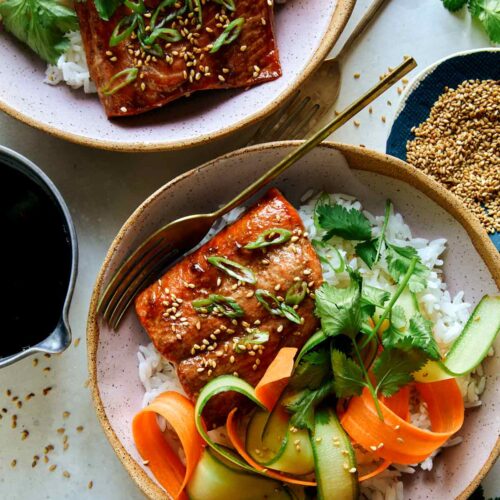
[[275, 236], [224, 305], [130, 75], [277, 308], [138, 8], [269, 301], [290, 314], [228, 4], [229, 35], [163, 5], [254, 337], [167, 34], [232, 268], [119, 36], [196, 4], [317, 244], [296, 293]]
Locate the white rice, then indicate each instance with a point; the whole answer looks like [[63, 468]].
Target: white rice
[[71, 67], [448, 314]]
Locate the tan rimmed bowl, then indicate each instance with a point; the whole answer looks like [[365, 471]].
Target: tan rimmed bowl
[[471, 264], [306, 30]]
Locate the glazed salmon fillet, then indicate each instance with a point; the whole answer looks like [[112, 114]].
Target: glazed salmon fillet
[[204, 343], [179, 61]]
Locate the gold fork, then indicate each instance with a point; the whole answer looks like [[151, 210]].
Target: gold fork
[[181, 235], [304, 109]]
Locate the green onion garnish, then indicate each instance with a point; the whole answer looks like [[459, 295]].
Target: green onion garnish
[[130, 75], [138, 8], [296, 293], [254, 337], [118, 36], [290, 314], [197, 7], [228, 4], [269, 301], [275, 236], [171, 16], [218, 303], [232, 268], [229, 35], [167, 34], [277, 308]]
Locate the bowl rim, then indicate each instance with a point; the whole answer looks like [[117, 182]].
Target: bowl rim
[[394, 168], [338, 20], [63, 325]]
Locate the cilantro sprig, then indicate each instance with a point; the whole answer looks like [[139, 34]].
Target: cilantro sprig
[[41, 24], [486, 11], [337, 220]]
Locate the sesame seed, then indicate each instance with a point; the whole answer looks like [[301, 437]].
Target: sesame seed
[[458, 147]]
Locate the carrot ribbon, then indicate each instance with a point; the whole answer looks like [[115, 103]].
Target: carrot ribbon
[[150, 441], [395, 439], [276, 377]]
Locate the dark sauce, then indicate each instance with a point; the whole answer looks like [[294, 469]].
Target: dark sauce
[[35, 258]]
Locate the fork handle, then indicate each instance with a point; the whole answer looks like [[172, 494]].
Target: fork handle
[[306, 146]]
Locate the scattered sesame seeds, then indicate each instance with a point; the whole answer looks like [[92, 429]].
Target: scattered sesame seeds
[[90, 485], [53, 467], [458, 147], [76, 343], [66, 474]]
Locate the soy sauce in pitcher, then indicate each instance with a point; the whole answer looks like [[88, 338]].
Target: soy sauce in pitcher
[[35, 260]]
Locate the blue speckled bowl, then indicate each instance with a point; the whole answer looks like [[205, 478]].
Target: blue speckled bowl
[[420, 95]]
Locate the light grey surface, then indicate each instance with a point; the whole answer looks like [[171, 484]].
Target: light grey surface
[[101, 190]]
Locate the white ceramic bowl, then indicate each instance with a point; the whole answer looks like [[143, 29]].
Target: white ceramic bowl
[[471, 264], [305, 31]]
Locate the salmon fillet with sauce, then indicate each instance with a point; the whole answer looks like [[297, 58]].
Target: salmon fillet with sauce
[[167, 70], [205, 344]]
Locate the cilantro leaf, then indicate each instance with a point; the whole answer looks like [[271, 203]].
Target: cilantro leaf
[[339, 309], [393, 369], [488, 12], [393, 337], [419, 336], [398, 262], [303, 404], [454, 5], [312, 370], [372, 295], [106, 8], [420, 332], [339, 221], [348, 377], [367, 251], [398, 317], [41, 24]]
